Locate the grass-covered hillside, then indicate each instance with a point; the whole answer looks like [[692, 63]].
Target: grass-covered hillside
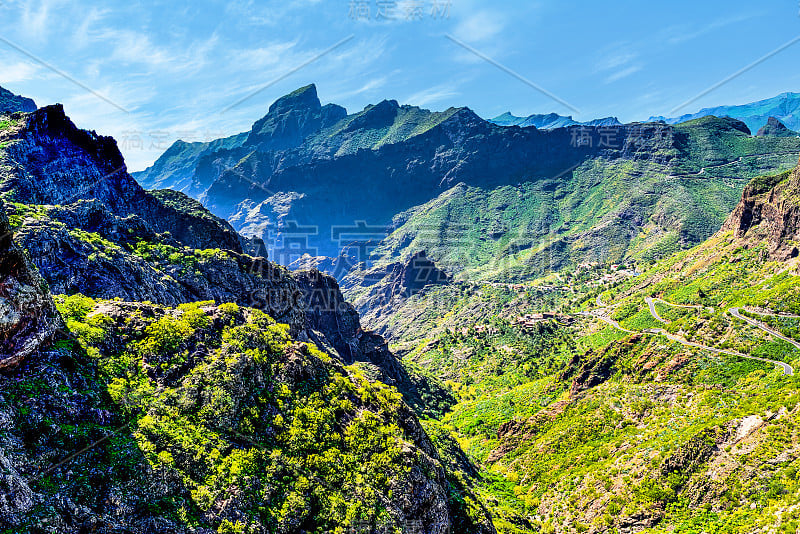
[[603, 210], [613, 417]]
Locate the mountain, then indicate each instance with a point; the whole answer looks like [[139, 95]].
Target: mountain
[[175, 168], [785, 107], [291, 119], [497, 370], [775, 128], [595, 385], [11, 103], [30, 319], [769, 213], [574, 194], [549, 121], [187, 371]]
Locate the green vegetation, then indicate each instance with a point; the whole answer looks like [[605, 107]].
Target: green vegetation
[[302, 441], [185, 257], [584, 427], [515, 232], [6, 124]]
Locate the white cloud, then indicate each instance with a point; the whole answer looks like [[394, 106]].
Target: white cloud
[[684, 34], [18, 72], [261, 57], [481, 26], [432, 95], [617, 62], [624, 73], [35, 19]]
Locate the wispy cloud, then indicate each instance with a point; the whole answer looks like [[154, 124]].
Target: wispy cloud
[[35, 19], [19, 72], [617, 62], [430, 96], [482, 26], [623, 73], [683, 34]]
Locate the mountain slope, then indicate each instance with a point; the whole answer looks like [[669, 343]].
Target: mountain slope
[[11, 103], [609, 211], [276, 409], [775, 128], [607, 416], [610, 192], [175, 168]]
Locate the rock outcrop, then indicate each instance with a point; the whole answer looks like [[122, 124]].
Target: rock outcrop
[[379, 290], [28, 317], [103, 236], [775, 128], [769, 211], [48, 160], [92, 229], [291, 119]]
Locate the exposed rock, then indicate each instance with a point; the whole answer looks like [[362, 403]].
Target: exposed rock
[[49, 160], [292, 118], [775, 128], [770, 211], [381, 289], [592, 369], [28, 317], [691, 455]]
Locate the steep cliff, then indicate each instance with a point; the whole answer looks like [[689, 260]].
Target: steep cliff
[[770, 212], [775, 128], [607, 191], [156, 413], [28, 318], [46, 159]]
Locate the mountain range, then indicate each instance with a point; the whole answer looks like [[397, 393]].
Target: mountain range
[[785, 107], [549, 121], [580, 329], [311, 179]]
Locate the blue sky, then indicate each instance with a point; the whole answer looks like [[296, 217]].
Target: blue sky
[[175, 69]]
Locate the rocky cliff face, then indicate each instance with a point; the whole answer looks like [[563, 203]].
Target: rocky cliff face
[[770, 212], [160, 246], [310, 185], [92, 230], [291, 119], [48, 160], [28, 318], [379, 291]]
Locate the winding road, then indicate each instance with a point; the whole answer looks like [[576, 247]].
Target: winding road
[[735, 312], [785, 367]]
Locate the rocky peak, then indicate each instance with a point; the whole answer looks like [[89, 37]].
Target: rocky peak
[[291, 119], [51, 161], [376, 116], [769, 211], [299, 99], [11, 103], [28, 317], [775, 128]]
